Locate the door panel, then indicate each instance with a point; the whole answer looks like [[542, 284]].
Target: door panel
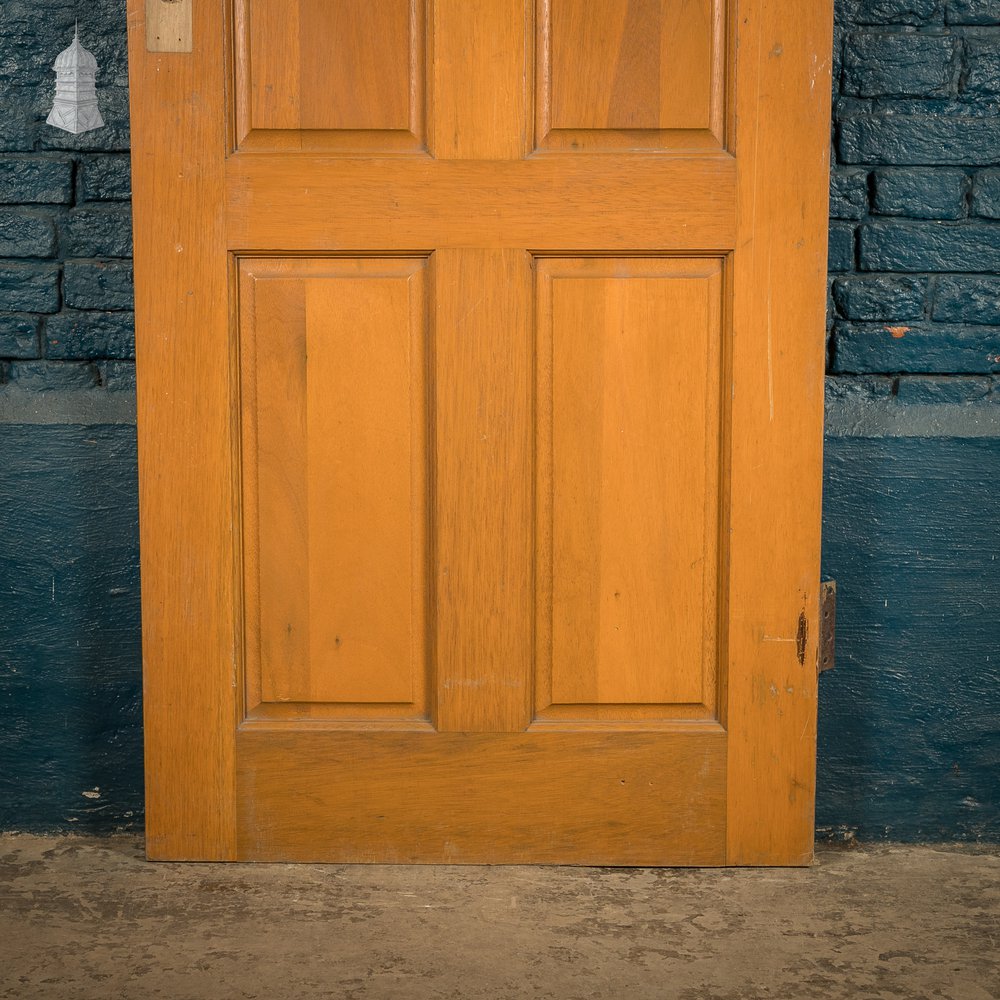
[[346, 76], [628, 475], [630, 74], [547, 798], [481, 365], [334, 503]]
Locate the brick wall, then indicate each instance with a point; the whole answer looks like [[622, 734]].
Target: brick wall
[[915, 197], [70, 685], [909, 743], [65, 222], [915, 192]]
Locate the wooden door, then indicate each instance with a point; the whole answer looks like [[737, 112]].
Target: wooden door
[[480, 385]]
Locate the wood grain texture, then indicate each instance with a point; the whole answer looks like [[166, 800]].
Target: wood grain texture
[[438, 798], [334, 413], [483, 490], [655, 755], [275, 515], [630, 74], [268, 67], [169, 26], [344, 77], [187, 447], [355, 68], [480, 80], [628, 468], [547, 203], [775, 471], [630, 64]]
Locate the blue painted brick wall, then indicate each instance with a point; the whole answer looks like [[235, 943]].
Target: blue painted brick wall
[[909, 720], [65, 221], [70, 687], [915, 189]]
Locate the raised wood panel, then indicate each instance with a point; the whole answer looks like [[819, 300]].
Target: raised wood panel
[[335, 420], [628, 410], [630, 74], [483, 798], [342, 76]]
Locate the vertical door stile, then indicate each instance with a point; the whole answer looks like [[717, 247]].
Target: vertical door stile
[[188, 534], [782, 153]]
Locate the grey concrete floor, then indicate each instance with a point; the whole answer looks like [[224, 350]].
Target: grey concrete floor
[[85, 918]]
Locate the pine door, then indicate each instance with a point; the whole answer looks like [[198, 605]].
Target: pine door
[[480, 387]]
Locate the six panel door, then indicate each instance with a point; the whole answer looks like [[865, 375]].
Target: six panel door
[[481, 358]]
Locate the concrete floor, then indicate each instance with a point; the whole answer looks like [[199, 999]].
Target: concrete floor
[[82, 918]]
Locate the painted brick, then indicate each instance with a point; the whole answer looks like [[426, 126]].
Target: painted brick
[[880, 297], [921, 192], [879, 64], [24, 234], [848, 194], [88, 335], [917, 390], [18, 336], [105, 178], [930, 246], [841, 247], [859, 389], [839, 34], [967, 300], [36, 182], [31, 35], [912, 12], [920, 139], [986, 194], [116, 375], [98, 231], [90, 284], [876, 347], [973, 12], [908, 735], [29, 287], [70, 679], [31, 42], [983, 58], [18, 116], [47, 376]]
